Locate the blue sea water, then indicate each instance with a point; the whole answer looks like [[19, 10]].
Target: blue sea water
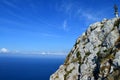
[[32, 67]]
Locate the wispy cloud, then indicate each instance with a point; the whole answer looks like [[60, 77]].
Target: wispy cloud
[[65, 7], [88, 15], [73, 9], [50, 35], [65, 25], [10, 3]]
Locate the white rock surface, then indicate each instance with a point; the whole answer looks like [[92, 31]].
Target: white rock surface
[[95, 55]]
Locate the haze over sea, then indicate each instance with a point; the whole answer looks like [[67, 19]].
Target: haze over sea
[[28, 67]]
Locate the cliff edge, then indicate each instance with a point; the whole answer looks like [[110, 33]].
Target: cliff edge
[[95, 55]]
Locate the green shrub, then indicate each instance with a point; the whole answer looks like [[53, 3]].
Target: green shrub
[[87, 54]]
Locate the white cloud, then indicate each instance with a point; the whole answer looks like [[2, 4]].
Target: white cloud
[[4, 50], [88, 15], [73, 9], [65, 25], [78, 12], [43, 52]]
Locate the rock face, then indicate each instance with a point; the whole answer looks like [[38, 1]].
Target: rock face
[[95, 55]]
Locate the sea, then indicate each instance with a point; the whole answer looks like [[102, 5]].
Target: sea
[[28, 67]]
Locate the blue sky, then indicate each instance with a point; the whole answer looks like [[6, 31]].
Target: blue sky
[[48, 25]]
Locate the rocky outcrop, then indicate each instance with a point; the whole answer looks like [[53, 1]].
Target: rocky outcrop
[[95, 55]]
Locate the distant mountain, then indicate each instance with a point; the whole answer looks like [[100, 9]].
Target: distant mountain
[[95, 55]]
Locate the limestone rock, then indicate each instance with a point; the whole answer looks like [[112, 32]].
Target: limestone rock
[[95, 55]]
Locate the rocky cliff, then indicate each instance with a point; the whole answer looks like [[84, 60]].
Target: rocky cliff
[[95, 55]]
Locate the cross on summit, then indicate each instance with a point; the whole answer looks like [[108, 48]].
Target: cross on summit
[[116, 10]]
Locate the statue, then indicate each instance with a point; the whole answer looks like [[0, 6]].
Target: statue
[[116, 10]]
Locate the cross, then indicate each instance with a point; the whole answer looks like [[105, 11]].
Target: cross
[[116, 10]]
